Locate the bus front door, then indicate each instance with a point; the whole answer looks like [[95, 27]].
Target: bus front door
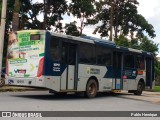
[[69, 60]]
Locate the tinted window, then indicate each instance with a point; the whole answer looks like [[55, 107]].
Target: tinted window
[[140, 62], [129, 61], [68, 53], [104, 56], [117, 60], [87, 53], [54, 48]]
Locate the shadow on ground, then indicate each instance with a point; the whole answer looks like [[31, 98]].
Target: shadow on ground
[[69, 96]]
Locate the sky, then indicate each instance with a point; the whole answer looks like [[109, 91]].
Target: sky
[[150, 9]]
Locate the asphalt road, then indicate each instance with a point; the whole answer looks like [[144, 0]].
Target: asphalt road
[[44, 101]]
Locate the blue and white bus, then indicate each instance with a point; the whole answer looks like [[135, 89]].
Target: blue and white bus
[[63, 63]]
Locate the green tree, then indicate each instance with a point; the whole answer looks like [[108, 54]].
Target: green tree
[[83, 10], [71, 29], [15, 20], [148, 45], [125, 19], [122, 41], [53, 11], [29, 16]]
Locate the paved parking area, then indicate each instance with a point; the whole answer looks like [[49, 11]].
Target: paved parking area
[[153, 97]]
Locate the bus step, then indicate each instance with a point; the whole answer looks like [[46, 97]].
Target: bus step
[[116, 91]]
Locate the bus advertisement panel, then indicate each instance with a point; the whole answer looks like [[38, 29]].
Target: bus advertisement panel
[[25, 53]]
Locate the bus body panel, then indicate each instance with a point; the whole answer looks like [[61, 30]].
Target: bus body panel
[[71, 78], [87, 71], [52, 82], [63, 80]]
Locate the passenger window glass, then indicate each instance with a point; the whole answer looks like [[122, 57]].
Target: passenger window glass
[[54, 48], [140, 62], [87, 53], [104, 56], [129, 61]]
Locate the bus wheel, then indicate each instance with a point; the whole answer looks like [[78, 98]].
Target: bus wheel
[[2, 82], [140, 88], [91, 89]]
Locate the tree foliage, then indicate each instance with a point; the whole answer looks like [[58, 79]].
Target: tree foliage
[[145, 44], [83, 10], [52, 15], [125, 19], [71, 29], [149, 45], [15, 19], [122, 41]]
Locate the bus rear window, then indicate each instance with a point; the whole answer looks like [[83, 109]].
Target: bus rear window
[[35, 37]]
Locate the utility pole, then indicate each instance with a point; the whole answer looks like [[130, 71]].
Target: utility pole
[[2, 31]]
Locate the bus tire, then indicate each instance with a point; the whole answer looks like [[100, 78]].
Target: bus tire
[[2, 82], [91, 89], [140, 88]]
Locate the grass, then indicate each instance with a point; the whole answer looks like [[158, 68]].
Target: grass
[[156, 89]]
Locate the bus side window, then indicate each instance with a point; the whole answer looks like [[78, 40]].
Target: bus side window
[[104, 56], [140, 62], [87, 53], [54, 48], [129, 61]]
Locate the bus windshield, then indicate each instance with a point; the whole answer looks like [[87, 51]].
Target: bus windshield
[[25, 53]]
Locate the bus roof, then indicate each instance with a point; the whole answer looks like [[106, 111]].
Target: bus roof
[[102, 42]]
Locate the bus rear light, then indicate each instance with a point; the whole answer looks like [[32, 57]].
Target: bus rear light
[[140, 72], [40, 67]]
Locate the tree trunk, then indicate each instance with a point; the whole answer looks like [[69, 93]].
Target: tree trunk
[[15, 21], [111, 20], [45, 15]]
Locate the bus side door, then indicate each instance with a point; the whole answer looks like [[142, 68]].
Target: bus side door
[[69, 58], [117, 66]]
